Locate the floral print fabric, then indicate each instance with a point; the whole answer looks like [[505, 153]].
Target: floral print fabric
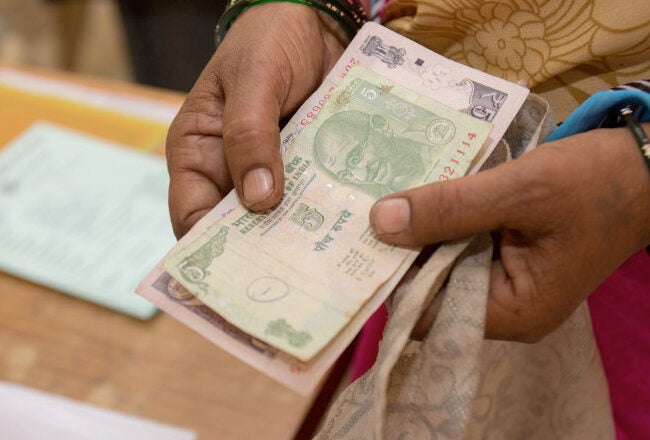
[[565, 50]]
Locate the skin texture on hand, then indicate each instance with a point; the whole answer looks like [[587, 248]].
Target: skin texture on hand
[[227, 131], [563, 216]]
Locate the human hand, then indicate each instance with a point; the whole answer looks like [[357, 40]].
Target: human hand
[[227, 131], [564, 217]]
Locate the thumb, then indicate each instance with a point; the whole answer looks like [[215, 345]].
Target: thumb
[[448, 210], [272, 59], [251, 135]]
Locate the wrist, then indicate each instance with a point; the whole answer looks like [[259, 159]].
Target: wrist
[[333, 27], [622, 148], [350, 15], [297, 22]]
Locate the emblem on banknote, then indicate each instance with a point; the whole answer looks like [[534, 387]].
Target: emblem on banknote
[[484, 101], [441, 131], [391, 55], [194, 267]]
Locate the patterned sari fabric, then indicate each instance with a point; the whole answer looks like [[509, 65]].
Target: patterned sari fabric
[[565, 50], [453, 384]]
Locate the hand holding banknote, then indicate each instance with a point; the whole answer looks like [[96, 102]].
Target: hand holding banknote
[[295, 276], [227, 131], [552, 251], [378, 49], [561, 227]]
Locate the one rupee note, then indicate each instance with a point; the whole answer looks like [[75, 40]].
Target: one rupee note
[[295, 276]]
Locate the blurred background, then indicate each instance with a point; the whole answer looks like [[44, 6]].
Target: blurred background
[[163, 43]]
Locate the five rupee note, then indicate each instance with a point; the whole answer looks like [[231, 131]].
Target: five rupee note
[[295, 276], [355, 293]]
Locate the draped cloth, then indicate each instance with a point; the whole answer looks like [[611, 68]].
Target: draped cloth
[[456, 385], [565, 50]]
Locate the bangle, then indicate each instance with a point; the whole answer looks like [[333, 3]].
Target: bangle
[[348, 13], [627, 114]]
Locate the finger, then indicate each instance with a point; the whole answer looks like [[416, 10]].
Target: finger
[[197, 182], [448, 210], [198, 174], [517, 309], [191, 196], [532, 290], [252, 135]]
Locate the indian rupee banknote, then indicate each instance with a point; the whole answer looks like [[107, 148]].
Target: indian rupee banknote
[[421, 70], [411, 65], [295, 276]]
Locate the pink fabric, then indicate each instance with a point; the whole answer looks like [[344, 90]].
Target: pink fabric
[[620, 311], [367, 347]]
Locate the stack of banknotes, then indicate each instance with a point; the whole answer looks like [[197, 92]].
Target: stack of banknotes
[[286, 291]]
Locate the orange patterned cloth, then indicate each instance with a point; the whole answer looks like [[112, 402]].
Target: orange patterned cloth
[[565, 50]]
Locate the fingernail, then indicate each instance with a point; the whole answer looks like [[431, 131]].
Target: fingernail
[[391, 216], [258, 186]]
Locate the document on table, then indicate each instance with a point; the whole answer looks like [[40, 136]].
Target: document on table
[[27, 414], [82, 215]]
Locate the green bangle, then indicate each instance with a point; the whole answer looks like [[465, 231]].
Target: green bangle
[[349, 14], [627, 114]]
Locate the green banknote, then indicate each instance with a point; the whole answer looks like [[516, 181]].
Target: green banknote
[[295, 276]]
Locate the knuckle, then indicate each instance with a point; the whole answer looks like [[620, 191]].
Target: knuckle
[[184, 157], [535, 182], [449, 208], [245, 136], [523, 315], [200, 114], [438, 210]]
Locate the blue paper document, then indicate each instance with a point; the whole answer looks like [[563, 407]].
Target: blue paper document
[[83, 215]]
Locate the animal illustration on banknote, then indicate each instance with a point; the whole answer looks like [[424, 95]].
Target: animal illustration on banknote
[[194, 267]]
